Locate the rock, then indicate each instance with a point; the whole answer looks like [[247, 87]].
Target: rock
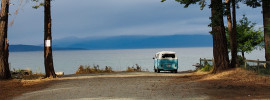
[[59, 73]]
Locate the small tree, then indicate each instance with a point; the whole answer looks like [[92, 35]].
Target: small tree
[[247, 37]]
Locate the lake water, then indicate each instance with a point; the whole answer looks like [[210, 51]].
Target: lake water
[[69, 61]]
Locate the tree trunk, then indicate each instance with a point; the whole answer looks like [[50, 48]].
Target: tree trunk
[[233, 37], [4, 53], [243, 55], [229, 22], [48, 58], [266, 23], [220, 49]]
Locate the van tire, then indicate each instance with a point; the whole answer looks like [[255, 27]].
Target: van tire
[[174, 71], [158, 71], [155, 70]]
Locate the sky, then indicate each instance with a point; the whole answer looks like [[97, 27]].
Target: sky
[[106, 18]]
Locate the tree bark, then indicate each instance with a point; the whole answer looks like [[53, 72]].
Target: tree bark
[[233, 37], [48, 57], [220, 49], [230, 31], [4, 53], [243, 55], [266, 23]]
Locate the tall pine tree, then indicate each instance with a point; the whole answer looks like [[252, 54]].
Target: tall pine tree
[[4, 52]]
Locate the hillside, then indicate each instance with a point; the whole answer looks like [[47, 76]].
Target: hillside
[[23, 48]]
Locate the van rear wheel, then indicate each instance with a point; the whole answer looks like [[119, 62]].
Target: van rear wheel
[[174, 71], [158, 71]]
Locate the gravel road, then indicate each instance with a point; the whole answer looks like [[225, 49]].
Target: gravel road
[[126, 86]]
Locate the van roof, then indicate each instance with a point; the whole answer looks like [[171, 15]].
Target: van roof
[[166, 52]]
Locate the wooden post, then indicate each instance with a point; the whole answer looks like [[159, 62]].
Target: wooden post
[[200, 62], [204, 61]]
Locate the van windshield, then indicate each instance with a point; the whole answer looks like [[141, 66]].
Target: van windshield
[[168, 56]]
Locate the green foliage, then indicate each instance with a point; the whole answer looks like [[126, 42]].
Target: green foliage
[[264, 71], [202, 3], [240, 60], [207, 67], [39, 3], [248, 38], [252, 3]]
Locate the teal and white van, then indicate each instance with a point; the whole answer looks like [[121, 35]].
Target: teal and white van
[[166, 61]]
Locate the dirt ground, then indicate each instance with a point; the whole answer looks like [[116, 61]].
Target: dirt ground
[[231, 84]]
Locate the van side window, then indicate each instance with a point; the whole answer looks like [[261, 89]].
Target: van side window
[[168, 55]]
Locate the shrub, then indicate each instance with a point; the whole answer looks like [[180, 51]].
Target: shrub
[[87, 69], [26, 74], [241, 60], [207, 67], [134, 69], [108, 69]]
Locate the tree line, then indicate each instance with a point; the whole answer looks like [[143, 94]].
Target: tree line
[[219, 9]]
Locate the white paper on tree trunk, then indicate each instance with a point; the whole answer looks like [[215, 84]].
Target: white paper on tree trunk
[[47, 43]]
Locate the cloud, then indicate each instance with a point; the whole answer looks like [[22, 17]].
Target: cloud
[[86, 18], [190, 26]]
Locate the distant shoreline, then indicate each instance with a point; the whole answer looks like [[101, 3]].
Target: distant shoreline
[[27, 48]]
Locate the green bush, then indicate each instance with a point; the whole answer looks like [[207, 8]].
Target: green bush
[[264, 71], [207, 67], [241, 60]]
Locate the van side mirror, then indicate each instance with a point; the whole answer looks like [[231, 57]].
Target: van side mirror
[[153, 57]]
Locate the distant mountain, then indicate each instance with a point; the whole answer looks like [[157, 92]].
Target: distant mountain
[[123, 42], [133, 42], [20, 47], [23, 48]]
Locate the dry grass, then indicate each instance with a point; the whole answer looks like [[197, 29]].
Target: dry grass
[[88, 70], [239, 77], [26, 74], [134, 69], [233, 84], [16, 87], [22, 81]]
